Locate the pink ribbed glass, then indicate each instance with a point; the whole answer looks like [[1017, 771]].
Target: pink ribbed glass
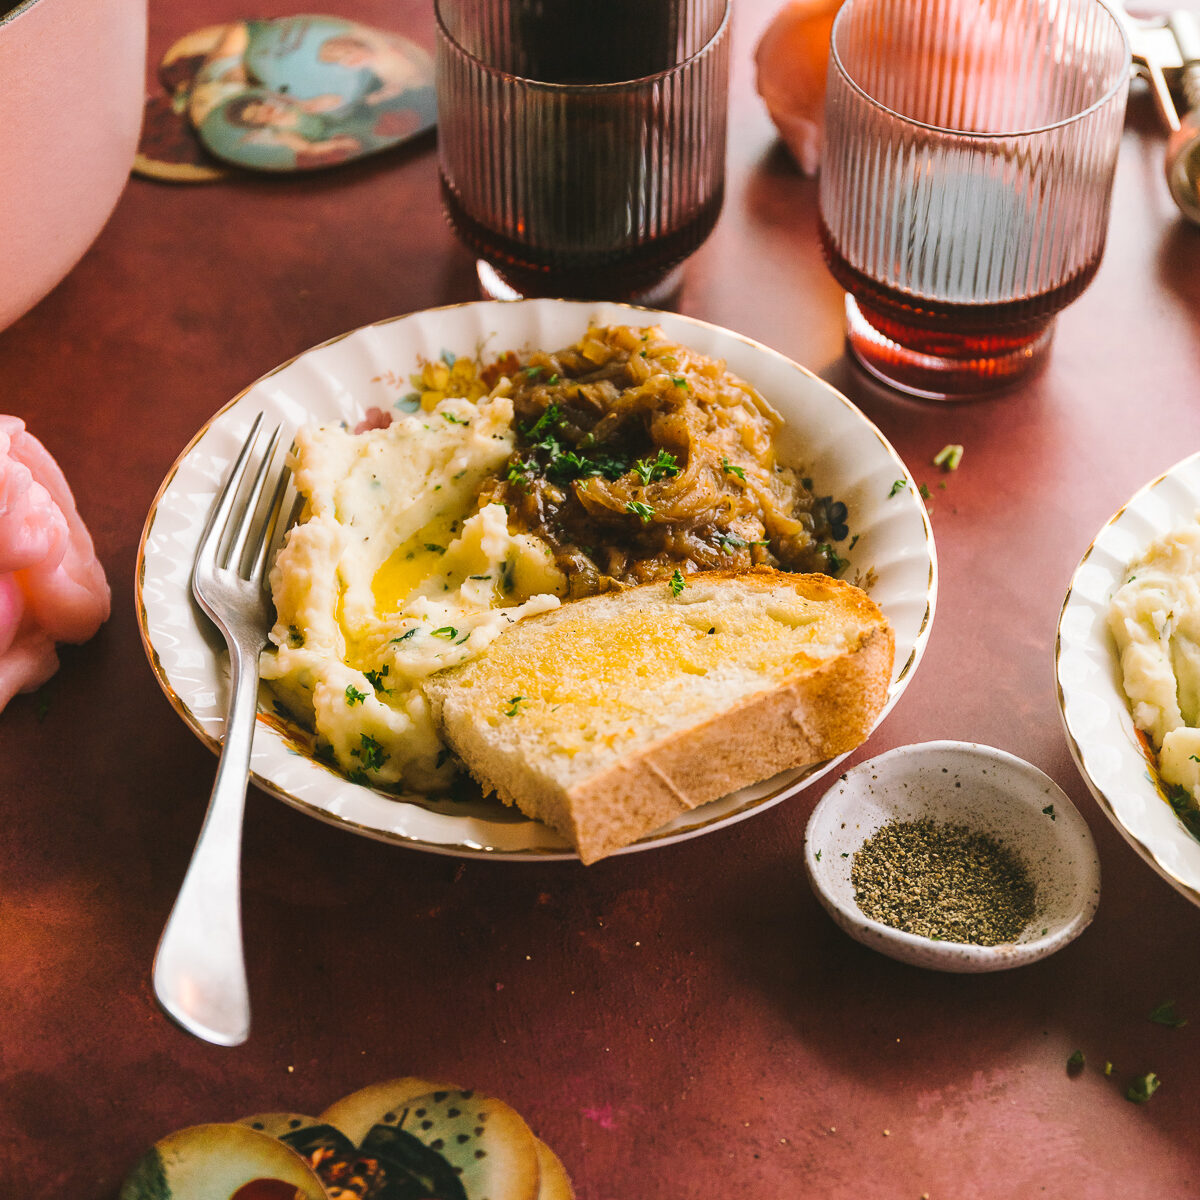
[[582, 142], [965, 180]]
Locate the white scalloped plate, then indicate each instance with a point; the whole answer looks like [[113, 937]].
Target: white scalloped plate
[[843, 452], [1095, 712]]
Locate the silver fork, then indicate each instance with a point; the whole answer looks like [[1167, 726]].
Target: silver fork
[[199, 968]]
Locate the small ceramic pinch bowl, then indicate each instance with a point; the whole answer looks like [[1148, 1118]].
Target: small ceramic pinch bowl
[[989, 792]]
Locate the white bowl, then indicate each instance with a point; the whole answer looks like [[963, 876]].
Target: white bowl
[[72, 88], [958, 783]]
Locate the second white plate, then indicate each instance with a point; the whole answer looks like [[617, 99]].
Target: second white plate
[[1095, 711]]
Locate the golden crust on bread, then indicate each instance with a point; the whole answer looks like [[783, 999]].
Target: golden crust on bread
[[610, 716]]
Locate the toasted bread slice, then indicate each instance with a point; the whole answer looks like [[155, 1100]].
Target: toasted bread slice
[[611, 715]]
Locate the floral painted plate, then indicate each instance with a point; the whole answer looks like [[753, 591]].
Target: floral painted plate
[[1095, 711], [845, 455]]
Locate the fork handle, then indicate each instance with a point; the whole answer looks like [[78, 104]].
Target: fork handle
[[199, 968]]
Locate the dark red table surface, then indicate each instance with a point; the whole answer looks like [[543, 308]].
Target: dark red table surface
[[683, 1023]]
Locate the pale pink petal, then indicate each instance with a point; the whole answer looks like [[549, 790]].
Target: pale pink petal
[[26, 664], [71, 600], [12, 607], [33, 527], [66, 593]]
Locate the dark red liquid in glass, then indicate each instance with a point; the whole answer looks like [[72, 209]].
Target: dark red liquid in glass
[[948, 329], [619, 274]]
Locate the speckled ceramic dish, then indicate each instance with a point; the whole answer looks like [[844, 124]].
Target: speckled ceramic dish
[[844, 453], [1094, 708], [965, 784]]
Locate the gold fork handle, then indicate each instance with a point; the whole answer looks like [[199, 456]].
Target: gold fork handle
[[199, 968]]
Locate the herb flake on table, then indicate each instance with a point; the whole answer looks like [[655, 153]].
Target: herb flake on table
[[1165, 1014], [948, 457], [1142, 1088]]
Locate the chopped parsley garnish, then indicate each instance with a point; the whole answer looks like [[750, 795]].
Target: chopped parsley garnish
[[1142, 1088], [1165, 1014], [455, 420], [663, 465], [295, 636], [730, 469], [924, 490], [353, 695], [729, 542], [836, 562], [479, 577], [1049, 811], [645, 511], [514, 706], [376, 678], [370, 753], [547, 420], [679, 381], [897, 487], [435, 549], [446, 631], [1075, 1063], [676, 582], [405, 636], [948, 457]]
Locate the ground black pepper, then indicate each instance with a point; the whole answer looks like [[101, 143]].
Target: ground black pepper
[[945, 882]]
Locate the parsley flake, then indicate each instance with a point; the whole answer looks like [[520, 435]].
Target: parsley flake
[[447, 631], [455, 420], [663, 465], [353, 695], [730, 469], [948, 457], [1142, 1088], [897, 487], [370, 752], [514, 706], [676, 582], [1165, 1014], [645, 511], [1049, 811]]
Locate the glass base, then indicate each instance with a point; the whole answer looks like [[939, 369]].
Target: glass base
[[493, 286], [941, 377]]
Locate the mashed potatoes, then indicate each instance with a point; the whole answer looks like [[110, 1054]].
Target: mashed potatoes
[[1155, 619], [393, 573]]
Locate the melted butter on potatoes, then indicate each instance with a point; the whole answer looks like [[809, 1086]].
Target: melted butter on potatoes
[[395, 572]]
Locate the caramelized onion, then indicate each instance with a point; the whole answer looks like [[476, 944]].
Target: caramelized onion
[[636, 457]]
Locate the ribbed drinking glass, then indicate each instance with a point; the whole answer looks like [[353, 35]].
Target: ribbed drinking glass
[[582, 142], [968, 161]]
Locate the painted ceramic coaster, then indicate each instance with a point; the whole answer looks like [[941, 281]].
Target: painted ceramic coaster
[[169, 148], [299, 93], [221, 1162]]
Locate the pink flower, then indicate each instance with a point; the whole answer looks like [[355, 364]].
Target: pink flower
[[52, 587]]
